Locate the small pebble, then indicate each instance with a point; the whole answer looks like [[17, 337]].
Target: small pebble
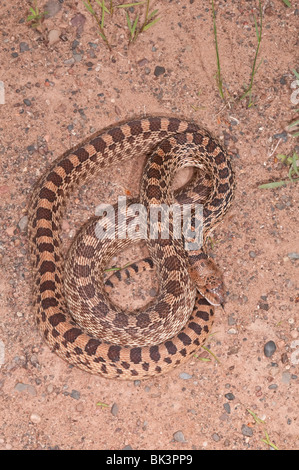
[[226, 406], [282, 135], [252, 254], [35, 418], [23, 222], [75, 394], [27, 102], [159, 71], [179, 436], [53, 36], [114, 409], [293, 255], [269, 348], [215, 437], [229, 396], [246, 430], [286, 378], [185, 376], [52, 7], [24, 47]]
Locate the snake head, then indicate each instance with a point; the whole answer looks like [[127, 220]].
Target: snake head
[[208, 280]]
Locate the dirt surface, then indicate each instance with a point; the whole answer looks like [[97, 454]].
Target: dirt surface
[[60, 88]]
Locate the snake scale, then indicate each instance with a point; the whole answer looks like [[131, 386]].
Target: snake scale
[[74, 343]]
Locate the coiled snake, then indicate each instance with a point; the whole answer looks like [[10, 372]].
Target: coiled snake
[[148, 350]]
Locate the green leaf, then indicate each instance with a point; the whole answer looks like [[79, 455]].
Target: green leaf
[[128, 5], [89, 8], [294, 163], [287, 3], [275, 184], [103, 405], [296, 74], [295, 123], [148, 25], [129, 22], [134, 25], [103, 6], [153, 13], [255, 417]]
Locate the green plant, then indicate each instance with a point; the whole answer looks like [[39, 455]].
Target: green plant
[[219, 76], [150, 19], [258, 31], [219, 79], [287, 3], [36, 16], [134, 30], [293, 171]]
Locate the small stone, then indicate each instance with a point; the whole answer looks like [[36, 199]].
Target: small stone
[[70, 61], [159, 71], [114, 409], [24, 47], [185, 376], [282, 135], [273, 387], [27, 102], [283, 80], [142, 62], [23, 222], [179, 436], [75, 394], [264, 306], [53, 36], [35, 418], [293, 255], [246, 430], [284, 358], [252, 254], [128, 447], [229, 396], [269, 348], [215, 437], [51, 8], [20, 387], [286, 377], [77, 57], [226, 406]]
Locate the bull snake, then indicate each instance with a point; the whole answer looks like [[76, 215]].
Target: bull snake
[[72, 342]]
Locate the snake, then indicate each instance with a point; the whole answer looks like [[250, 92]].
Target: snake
[[189, 290]]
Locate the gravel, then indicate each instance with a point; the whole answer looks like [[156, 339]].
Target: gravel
[[159, 71], [246, 430], [185, 376], [269, 348], [229, 396], [114, 409], [179, 436], [75, 394]]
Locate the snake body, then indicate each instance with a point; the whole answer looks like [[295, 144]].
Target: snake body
[[67, 338]]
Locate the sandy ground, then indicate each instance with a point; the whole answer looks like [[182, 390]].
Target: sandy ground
[[62, 86]]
